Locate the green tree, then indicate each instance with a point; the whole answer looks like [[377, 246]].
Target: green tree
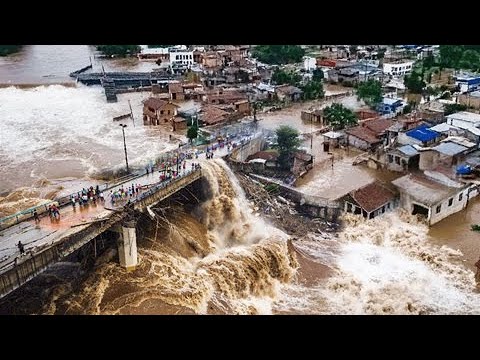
[[9, 49], [453, 108], [288, 142], [470, 60], [278, 54], [429, 61], [119, 50], [407, 109], [371, 92], [192, 132], [313, 90], [414, 83], [281, 77], [317, 75], [450, 55], [339, 116]]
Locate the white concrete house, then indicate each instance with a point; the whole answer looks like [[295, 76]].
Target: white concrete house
[[435, 199], [398, 68], [309, 63]]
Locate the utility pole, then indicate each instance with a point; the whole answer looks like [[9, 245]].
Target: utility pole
[[131, 113], [125, 146]]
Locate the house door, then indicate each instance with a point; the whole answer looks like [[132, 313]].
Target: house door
[[326, 146], [174, 96], [420, 210]]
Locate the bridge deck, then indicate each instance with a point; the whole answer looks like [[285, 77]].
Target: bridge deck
[[48, 231]]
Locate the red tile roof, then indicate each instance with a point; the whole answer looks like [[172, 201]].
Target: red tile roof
[[372, 196], [175, 88], [156, 103], [370, 130], [212, 114], [364, 134], [378, 126]]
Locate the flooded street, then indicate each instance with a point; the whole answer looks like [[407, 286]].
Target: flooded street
[[221, 256]]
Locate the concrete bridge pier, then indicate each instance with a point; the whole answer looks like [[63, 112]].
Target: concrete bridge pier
[[127, 245]]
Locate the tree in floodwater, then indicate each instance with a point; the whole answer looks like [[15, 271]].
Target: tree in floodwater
[[192, 132], [371, 92], [288, 142], [119, 50], [339, 116]]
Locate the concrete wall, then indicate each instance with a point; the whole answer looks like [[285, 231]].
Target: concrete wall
[[472, 101], [357, 143], [428, 160], [446, 209], [249, 148]]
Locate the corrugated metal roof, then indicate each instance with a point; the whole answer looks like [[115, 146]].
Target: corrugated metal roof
[[408, 150], [450, 148], [333, 134], [391, 101], [443, 127], [423, 133]]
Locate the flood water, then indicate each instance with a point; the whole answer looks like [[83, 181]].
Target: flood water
[[51, 64], [221, 257]]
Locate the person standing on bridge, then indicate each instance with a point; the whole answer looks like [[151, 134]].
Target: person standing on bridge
[[21, 247], [35, 216]]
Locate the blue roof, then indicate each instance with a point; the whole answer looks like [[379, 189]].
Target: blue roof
[[464, 170], [423, 133]]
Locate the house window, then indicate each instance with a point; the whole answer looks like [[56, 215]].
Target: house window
[[177, 57], [450, 202], [161, 112], [438, 209], [460, 197], [397, 160], [168, 112], [390, 158]]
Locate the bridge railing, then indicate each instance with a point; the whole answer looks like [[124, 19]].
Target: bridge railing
[[60, 202], [152, 190]]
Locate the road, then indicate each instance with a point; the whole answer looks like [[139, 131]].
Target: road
[[73, 219]]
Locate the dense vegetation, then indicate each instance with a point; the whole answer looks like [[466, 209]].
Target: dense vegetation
[[288, 142], [414, 82], [339, 116], [281, 77], [460, 57], [118, 50], [278, 54], [453, 108], [9, 49], [159, 46], [192, 132], [313, 90], [370, 91]]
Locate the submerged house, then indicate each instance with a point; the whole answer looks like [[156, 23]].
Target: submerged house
[[370, 200], [435, 200], [403, 158]]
